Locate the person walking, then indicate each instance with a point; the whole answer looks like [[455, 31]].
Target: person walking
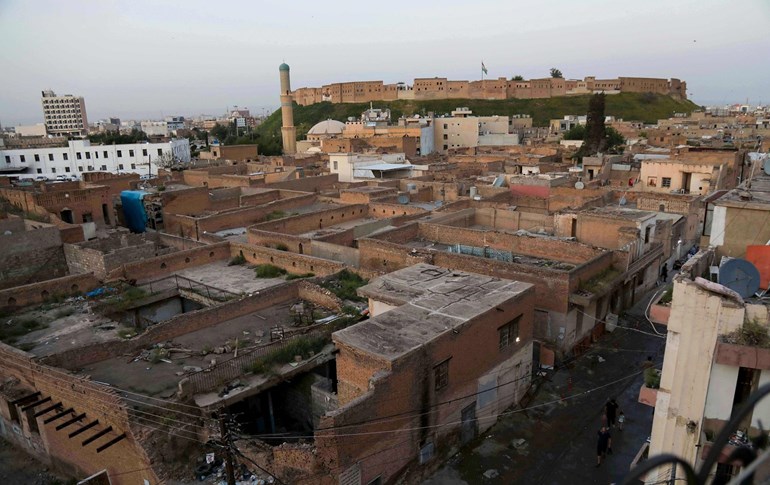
[[603, 445], [664, 273], [611, 409], [621, 420]]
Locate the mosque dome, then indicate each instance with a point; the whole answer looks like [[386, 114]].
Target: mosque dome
[[283, 67], [327, 127]]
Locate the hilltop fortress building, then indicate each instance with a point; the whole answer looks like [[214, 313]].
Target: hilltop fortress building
[[500, 88]]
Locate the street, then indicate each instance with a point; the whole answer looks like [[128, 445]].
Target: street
[[560, 425]]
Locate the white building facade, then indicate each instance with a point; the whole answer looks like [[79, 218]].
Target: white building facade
[[80, 156]]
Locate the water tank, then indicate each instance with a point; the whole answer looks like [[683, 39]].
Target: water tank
[[474, 192]]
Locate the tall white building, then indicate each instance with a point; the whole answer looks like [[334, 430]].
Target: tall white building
[[64, 115], [80, 156]]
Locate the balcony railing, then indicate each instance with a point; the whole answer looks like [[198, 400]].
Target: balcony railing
[[748, 457]]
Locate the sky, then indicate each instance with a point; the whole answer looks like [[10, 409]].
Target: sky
[[143, 59]]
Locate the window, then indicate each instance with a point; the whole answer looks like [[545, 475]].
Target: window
[[120, 166], [39, 170], [105, 154], [88, 155], [647, 234], [37, 157], [53, 170], [441, 375], [80, 169], [96, 154], [160, 152], [50, 157], [335, 165], [104, 167], [79, 156], [509, 333], [67, 169], [666, 182], [120, 153], [66, 156], [21, 157], [130, 153], [133, 166], [90, 168], [144, 152], [7, 159]]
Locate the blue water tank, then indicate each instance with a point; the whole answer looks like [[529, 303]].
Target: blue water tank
[[133, 210]]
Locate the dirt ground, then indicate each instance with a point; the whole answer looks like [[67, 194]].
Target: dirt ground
[[17, 467]]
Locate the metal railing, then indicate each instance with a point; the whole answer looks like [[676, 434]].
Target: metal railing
[[749, 457], [181, 283]]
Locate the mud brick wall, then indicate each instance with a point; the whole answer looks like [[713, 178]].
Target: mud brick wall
[[402, 235], [406, 388], [189, 201], [35, 293], [179, 243], [167, 264], [291, 262], [318, 295], [315, 220], [98, 402], [294, 244], [29, 256], [308, 184], [385, 210]]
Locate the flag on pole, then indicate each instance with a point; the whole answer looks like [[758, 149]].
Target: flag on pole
[[483, 68]]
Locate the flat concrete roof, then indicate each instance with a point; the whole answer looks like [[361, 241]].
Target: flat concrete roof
[[756, 196], [618, 212], [433, 301]]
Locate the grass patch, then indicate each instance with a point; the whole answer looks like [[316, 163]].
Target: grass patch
[[667, 296], [351, 310], [275, 215], [294, 276], [126, 333], [600, 281], [752, 334], [345, 284], [268, 271], [10, 332], [26, 347], [238, 260], [127, 298], [64, 312], [304, 346]]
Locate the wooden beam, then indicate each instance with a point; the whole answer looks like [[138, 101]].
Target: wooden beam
[[48, 409], [111, 442], [70, 421], [84, 428], [58, 415], [25, 398], [97, 436], [34, 404]]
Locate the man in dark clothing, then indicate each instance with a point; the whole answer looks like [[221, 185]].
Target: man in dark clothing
[[664, 273], [612, 410], [603, 445]]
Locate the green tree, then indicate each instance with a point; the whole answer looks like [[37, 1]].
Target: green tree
[[596, 134], [114, 137], [556, 73], [517, 77], [577, 132], [614, 140], [220, 132]]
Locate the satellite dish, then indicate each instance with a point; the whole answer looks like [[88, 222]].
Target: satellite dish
[[766, 166], [740, 276], [403, 199], [580, 185]]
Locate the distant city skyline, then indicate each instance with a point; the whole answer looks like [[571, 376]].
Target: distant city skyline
[[139, 60]]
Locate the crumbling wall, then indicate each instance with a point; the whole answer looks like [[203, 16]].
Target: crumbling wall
[[29, 256], [291, 262], [169, 263], [35, 293], [126, 461]]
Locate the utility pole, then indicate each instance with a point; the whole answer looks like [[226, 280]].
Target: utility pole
[[228, 446]]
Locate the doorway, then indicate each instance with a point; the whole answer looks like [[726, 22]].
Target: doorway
[[66, 216], [469, 428]]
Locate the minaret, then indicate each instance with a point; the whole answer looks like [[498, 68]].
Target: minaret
[[288, 131]]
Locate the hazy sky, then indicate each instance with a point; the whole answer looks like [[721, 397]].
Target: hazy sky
[[137, 58]]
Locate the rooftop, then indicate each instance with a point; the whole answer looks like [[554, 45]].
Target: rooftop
[[615, 212], [433, 301], [755, 195]]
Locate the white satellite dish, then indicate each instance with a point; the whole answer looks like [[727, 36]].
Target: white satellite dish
[[580, 185]]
